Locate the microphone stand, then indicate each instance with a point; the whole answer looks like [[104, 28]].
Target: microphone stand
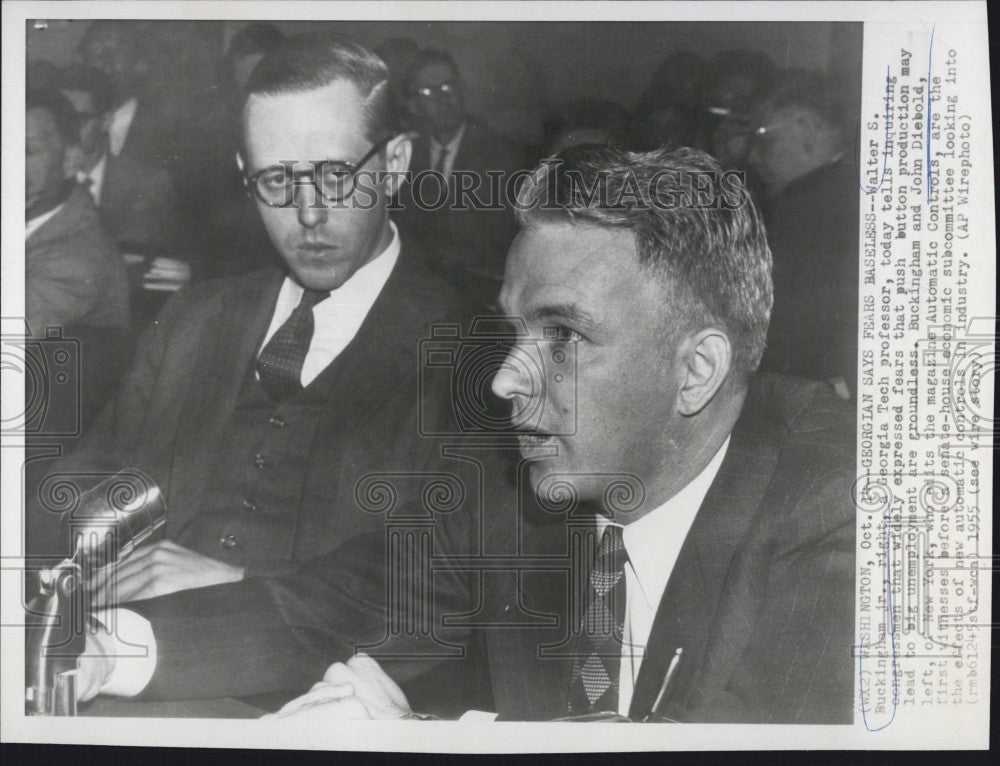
[[51, 658], [107, 523]]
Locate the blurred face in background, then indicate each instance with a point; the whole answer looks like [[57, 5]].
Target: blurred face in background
[[436, 100], [729, 101], [787, 143], [113, 51], [43, 166], [93, 123]]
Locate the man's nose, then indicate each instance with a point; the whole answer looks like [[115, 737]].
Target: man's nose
[[514, 380], [310, 206]]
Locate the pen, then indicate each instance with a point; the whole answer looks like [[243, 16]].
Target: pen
[[671, 669]]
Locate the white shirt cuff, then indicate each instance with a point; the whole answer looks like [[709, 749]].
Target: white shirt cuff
[[477, 716], [134, 648]]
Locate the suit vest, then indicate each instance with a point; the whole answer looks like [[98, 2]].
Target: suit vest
[[251, 504]]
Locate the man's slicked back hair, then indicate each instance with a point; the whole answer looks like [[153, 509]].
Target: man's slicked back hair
[[311, 61], [713, 259]]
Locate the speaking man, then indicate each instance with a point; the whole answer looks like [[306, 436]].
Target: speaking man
[[707, 510]]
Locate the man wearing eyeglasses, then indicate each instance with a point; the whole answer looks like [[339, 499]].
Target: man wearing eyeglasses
[[258, 403], [799, 150], [454, 151]]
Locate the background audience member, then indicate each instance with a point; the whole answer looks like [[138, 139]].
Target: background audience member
[[467, 247], [135, 193], [74, 276], [398, 54], [799, 151], [734, 79]]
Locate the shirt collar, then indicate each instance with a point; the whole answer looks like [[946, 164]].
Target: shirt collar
[[121, 121], [30, 227], [364, 285], [654, 540], [452, 145]]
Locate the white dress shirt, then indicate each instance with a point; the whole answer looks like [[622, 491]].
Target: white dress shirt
[[337, 321], [121, 121], [338, 318], [653, 543], [451, 147], [94, 178]]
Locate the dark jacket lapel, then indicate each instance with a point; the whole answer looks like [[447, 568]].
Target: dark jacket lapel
[[384, 354], [685, 615], [237, 326]]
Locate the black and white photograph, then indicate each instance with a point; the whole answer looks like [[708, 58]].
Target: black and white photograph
[[391, 364]]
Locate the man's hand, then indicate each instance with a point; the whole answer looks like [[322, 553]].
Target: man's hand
[[357, 689], [159, 569], [94, 666]]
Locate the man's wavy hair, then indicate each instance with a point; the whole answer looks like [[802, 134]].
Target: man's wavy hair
[[310, 61], [713, 259]]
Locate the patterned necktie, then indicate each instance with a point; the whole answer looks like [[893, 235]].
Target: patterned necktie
[[280, 361], [598, 656]]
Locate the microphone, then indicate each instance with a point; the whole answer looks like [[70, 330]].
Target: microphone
[[105, 524], [113, 518]]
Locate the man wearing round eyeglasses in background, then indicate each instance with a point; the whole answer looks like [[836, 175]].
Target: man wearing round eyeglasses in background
[[799, 150], [257, 403], [467, 247]]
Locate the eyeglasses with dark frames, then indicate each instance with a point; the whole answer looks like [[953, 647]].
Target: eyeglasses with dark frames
[[334, 180]]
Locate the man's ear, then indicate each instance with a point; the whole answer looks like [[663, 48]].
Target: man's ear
[[240, 163], [398, 153], [706, 359]]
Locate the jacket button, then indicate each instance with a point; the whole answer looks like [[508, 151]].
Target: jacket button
[[277, 421], [259, 461], [249, 505], [227, 542]]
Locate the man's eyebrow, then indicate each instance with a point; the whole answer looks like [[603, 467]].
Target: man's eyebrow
[[569, 311]]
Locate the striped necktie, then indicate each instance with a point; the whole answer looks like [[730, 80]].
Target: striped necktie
[[279, 363], [598, 656]]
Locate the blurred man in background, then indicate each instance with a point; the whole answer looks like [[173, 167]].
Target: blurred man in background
[[74, 273], [132, 180], [468, 246], [799, 152]]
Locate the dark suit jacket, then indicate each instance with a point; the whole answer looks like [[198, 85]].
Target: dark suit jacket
[[812, 227], [468, 247], [761, 597], [74, 274], [140, 208], [170, 412]]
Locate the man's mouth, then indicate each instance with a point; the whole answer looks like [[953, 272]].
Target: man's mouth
[[317, 252], [535, 438], [316, 247]]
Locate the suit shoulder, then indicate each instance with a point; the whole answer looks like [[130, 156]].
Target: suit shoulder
[[437, 298], [202, 299], [811, 491]]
